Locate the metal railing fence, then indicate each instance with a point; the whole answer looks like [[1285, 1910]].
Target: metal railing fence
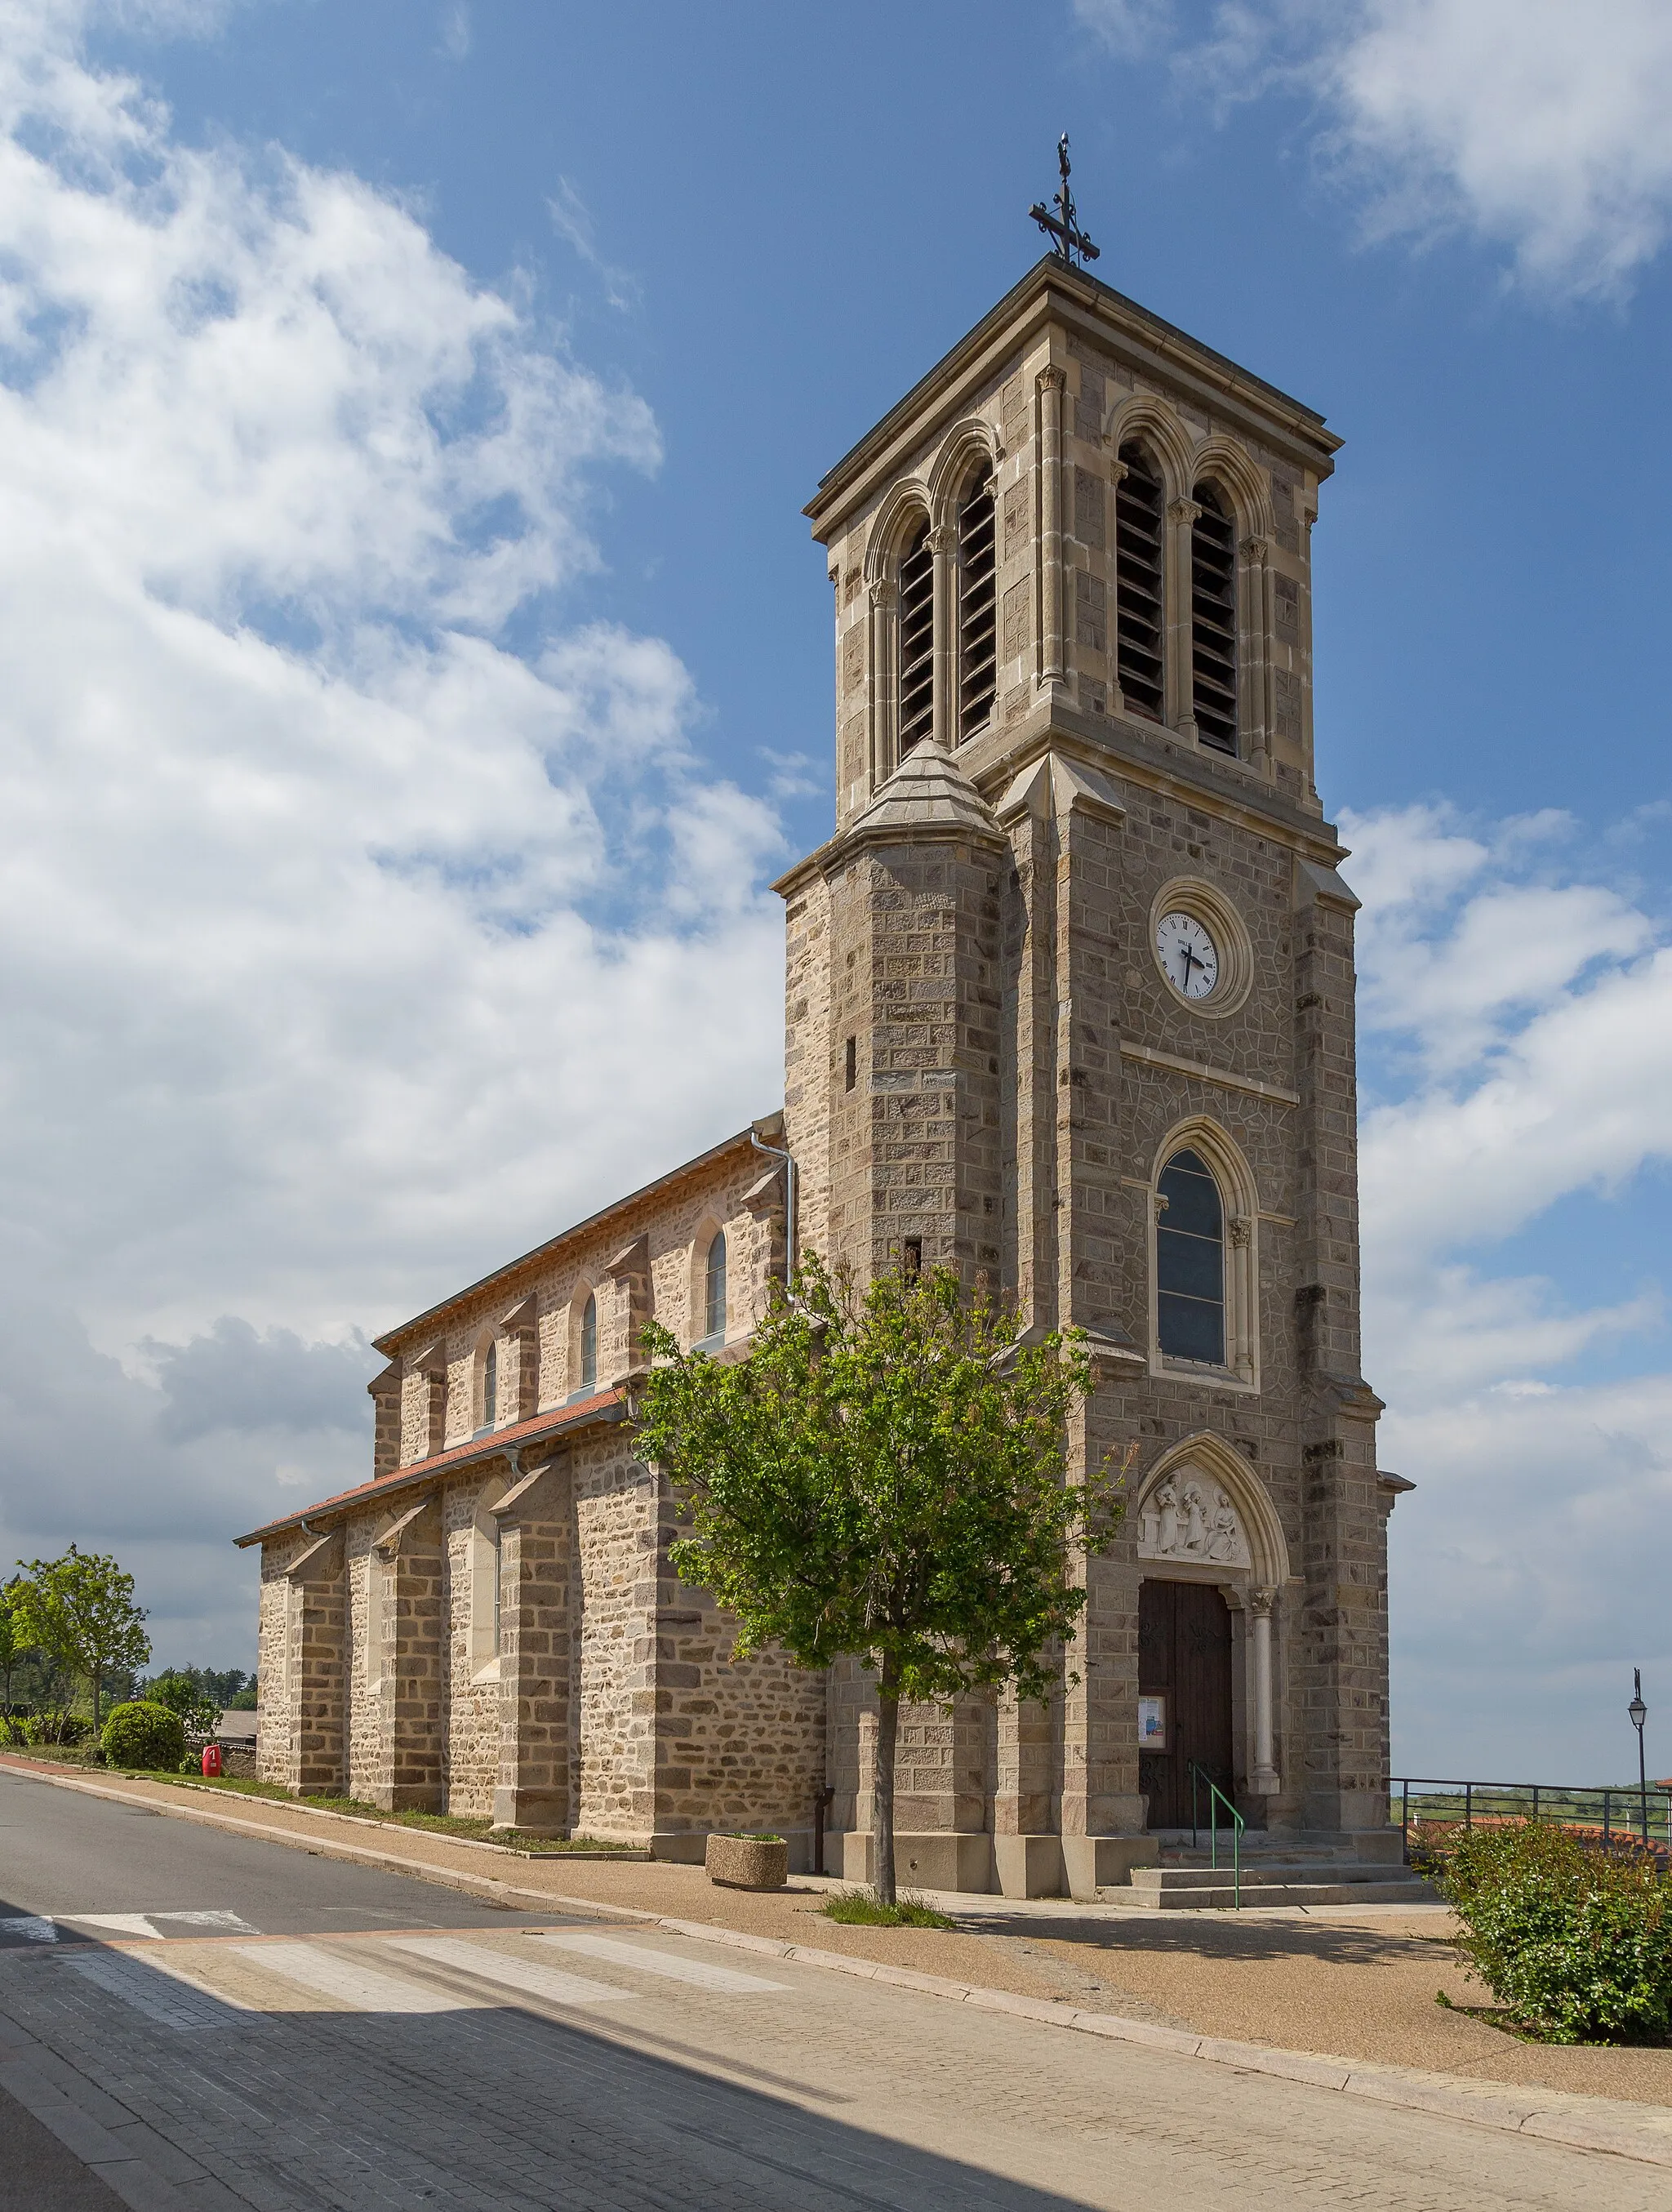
[[1201, 1779], [1610, 1815]]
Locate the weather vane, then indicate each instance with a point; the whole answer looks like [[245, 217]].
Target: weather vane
[[1067, 239]]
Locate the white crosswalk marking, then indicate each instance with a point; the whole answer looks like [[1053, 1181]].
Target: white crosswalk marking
[[512, 1973], [666, 1964], [118, 1924], [162, 1994], [31, 1928], [330, 1975], [227, 1920]]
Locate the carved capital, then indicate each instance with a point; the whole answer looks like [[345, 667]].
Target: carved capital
[[943, 538], [1182, 510], [1161, 1205], [1254, 549], [1118, 470], [1239, 1227], [1052, 379], [1259, 1602], [882, 595]]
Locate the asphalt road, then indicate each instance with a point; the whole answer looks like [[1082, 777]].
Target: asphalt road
[[194, 2019]]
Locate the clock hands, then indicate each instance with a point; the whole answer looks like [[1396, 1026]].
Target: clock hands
[[1191, 960]]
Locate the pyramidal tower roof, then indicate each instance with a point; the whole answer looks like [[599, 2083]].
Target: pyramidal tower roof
[[929, 792]]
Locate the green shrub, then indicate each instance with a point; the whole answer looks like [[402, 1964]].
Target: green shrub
[[1576, 1942], [56, 1728], [141, 1734]]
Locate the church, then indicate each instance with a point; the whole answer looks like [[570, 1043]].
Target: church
[[1069, 1005]]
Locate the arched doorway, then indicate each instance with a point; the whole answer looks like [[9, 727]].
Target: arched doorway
[[1185, 1701]]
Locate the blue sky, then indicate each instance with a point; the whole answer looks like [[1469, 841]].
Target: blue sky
[[418, 665]]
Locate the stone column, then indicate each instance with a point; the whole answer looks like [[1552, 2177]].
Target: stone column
[[536, 1547], [1052, 385], [1255, 596], [519, 1383], [1263, 1781], [1180, 703], [884, 688], [943, 546], [316, 1610], [408, 1559]]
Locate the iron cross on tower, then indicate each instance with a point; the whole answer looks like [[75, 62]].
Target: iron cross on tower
[[1067, 240]]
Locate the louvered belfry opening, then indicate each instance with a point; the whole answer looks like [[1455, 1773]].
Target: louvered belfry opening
[[916, 640], [977, 605], [1139, 619], [1213, 621]]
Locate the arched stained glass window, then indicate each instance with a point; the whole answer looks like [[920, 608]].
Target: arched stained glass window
[[490, 1385], [1190, 1262], [589, 1345], [713, 1294]]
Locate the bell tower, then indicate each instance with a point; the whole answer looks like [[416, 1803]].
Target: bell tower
[[1070, 1007]]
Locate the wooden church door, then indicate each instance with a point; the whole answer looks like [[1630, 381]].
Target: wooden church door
[[1184, 1660]]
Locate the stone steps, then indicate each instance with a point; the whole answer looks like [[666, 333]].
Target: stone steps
[[1196, 1889]]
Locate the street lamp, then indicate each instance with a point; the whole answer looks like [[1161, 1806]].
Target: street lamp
[[1639, 1713]]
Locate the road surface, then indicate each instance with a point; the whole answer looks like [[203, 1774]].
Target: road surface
[[198, 2019]]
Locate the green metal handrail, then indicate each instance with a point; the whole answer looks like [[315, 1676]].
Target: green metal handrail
[[1198, 1774]]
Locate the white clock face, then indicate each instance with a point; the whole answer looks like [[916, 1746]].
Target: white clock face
[[1189, 958]]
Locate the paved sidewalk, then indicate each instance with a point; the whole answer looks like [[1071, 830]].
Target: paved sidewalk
[[1357, 1986]]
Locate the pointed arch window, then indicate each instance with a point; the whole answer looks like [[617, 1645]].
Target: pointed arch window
[[1139, 618], [916, 639], [977, 605], [714, 1288], [589, 1344], [1213, 620], [491, 1384], [1190, 1262]]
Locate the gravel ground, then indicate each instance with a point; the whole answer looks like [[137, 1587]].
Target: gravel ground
[[1359, 1985]]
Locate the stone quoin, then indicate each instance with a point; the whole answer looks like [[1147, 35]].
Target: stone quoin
[[1069, 1007]]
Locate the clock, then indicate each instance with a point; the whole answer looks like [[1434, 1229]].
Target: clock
[[1189, 958]]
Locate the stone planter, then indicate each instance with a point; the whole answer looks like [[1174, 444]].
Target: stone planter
[[747, 1862]]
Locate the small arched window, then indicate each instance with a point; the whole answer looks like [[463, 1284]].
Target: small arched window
[[1140, 617], [977, 605], [916, 639], [1190, 1262], [589, 1344], [714, 1287], [491, 1384], [1213, 621]]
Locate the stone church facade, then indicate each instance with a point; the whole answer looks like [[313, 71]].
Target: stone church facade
[[1068, 1007]]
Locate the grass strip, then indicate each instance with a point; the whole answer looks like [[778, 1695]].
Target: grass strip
[[863, 1908]]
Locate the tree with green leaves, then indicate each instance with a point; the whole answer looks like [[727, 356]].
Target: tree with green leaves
[[180, 1689], [885, 1475], [79, 1610], [12, 1648]]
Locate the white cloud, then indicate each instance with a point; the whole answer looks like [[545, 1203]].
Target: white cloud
[[349, 949], [1518, 1027], [1536, 125]]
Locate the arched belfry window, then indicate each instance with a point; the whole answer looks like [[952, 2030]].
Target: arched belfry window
[[589, 1345], [714, 1287], [1140, 621], [1213, 620], [1190, 1262], [491, 1384], [977, 605], [916, 639]]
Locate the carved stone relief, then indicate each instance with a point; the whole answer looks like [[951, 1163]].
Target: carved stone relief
[[1189, 1516]]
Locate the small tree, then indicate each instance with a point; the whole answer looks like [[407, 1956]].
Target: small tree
[[80, 1611], [180, 1689], [885, 1475], [12, 1645]]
